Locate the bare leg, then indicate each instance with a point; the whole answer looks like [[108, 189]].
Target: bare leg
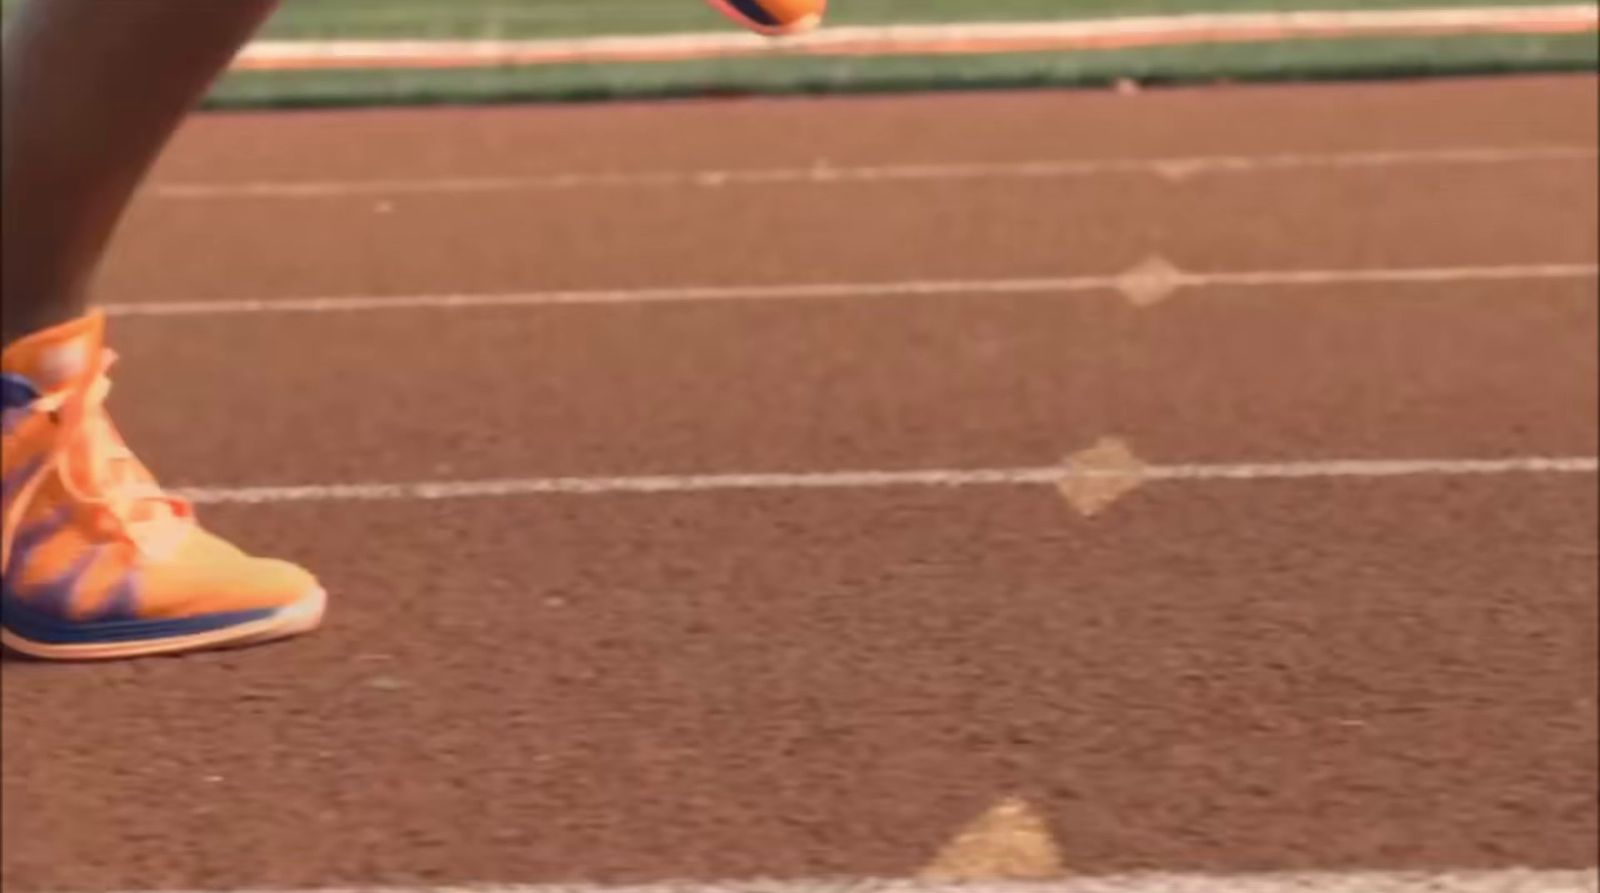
[[93, 90]]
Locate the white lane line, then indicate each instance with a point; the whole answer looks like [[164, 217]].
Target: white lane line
[[837, 290], [849, 480], [825, 173], [1515, 880]]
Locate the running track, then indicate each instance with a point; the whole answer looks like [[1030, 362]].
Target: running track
[[600, 658]]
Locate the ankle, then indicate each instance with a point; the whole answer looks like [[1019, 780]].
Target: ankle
[[21, 323]]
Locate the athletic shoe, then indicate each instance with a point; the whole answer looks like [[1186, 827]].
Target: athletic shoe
[[774, 18], [96, 560]]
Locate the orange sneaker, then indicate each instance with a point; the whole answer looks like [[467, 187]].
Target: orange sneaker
[[96, 561], [774, 18]]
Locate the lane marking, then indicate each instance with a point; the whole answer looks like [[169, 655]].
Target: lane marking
[[825, 173], [1101, 475], [848, 480], [829, 291], [962, 38], [1511, 880], [1011, 841], [1150, 282]]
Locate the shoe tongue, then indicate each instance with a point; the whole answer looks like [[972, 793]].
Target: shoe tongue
[[52, 358], [56, 358]]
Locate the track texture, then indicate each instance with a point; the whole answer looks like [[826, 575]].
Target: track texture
[[1206, 676]]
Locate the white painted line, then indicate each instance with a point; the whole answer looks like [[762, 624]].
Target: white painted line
[[842, 290], [1394, 275], [825, 173], [852, 480], [888, 39], [1514, 880], [1371, 468]]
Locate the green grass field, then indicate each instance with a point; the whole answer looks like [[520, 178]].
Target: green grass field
[[1314, 60], [302, 19], [1288, 60], [532, 18]]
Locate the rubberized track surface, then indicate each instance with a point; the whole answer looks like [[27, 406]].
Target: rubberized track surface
[[1336, 672]]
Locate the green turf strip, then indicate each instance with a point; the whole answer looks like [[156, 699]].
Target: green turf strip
[[1288, 60], [327, 19], [563, 18]]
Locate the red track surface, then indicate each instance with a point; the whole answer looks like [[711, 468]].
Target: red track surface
[[1334, 673]]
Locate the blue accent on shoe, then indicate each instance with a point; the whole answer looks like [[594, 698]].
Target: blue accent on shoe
[[755, 12], [54, 599], [36, 626], [123, 602], [16, 392], [13, 482]]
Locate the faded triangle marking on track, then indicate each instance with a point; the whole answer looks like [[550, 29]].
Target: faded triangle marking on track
[[1009, 842]]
